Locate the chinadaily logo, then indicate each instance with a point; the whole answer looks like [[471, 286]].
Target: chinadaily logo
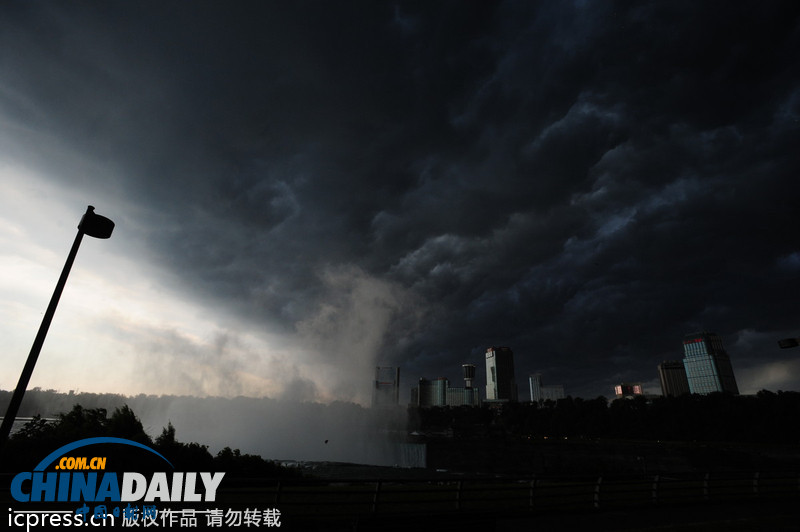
[[85, 474], [84, 479]]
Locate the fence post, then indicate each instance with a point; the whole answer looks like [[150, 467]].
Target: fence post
[[375, 496], [278, 493], [532, 491], [655, 489], [755, 483], [597, 492], [705, 486], [458, 495]]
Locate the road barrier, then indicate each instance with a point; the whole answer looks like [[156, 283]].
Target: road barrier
[[342, 498]]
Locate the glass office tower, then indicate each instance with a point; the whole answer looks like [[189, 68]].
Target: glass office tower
[[708, 367]]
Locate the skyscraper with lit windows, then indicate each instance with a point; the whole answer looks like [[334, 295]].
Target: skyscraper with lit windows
[[708, 367]]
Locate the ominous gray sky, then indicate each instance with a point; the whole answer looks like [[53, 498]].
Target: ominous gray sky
[[303, 190]]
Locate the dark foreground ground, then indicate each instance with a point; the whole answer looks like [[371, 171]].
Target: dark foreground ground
[[533, 486], [765, 516], [640, 460]]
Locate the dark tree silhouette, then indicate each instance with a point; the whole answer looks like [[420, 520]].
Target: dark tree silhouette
[[39, 437]]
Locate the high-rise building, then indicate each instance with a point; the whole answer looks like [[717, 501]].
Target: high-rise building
[[387, 386], [553, 392], [469, 375], [463, 397], [535, 385], [430, 393], [500, 379], [468, 395], [540, 392], [708, 367], [672, 374], [439, 393], [421, 393]]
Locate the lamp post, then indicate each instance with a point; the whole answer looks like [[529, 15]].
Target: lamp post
[[788, 342], [93, 225]]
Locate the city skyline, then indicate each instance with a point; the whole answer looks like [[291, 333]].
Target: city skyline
[[303, 192], [705, 369]]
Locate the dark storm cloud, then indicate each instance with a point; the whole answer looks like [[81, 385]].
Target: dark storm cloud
[[585, 183]]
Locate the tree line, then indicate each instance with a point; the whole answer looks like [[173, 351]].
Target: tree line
[[40, 436]]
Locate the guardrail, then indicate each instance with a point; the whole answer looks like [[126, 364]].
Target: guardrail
[[353, 498]]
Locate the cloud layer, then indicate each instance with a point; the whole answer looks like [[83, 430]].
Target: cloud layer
[[322, 187]]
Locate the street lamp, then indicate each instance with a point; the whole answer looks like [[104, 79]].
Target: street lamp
[[788, 342], [95, 226]]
